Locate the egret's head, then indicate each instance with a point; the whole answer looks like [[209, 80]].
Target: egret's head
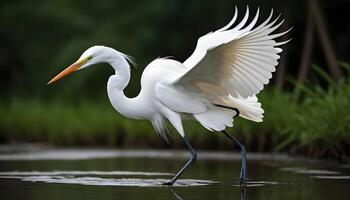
[[93, 55]]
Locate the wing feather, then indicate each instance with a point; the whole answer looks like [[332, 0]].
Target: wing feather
[[233, 20], [241, 60], [227, 65]]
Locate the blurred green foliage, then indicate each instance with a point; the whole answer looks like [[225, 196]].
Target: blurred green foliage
[[40, 38]]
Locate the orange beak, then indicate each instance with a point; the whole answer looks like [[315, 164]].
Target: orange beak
[[68, 70]]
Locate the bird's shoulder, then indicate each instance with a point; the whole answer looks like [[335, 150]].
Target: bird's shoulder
[[164, 67], [166, 63], [160, 70]]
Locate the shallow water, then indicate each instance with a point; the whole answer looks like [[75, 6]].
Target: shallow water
[[42, 173]]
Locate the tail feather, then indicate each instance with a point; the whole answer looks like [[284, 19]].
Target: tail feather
[[218, 118], [215, 118], [250, 108]]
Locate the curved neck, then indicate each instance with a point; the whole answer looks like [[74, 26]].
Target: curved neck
[[117, 83], [122, 71]]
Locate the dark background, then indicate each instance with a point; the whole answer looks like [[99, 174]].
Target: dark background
[[40, 38]]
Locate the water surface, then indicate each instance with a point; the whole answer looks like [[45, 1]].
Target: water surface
[[42, 173]]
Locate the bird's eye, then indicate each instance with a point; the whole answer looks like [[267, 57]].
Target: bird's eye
[[89, 57]]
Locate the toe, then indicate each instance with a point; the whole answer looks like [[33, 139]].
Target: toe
[[168, 183]]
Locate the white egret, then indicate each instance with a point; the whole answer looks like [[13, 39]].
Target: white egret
[[218, 82]]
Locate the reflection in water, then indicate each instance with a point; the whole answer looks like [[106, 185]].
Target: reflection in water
[[178, 197], [243, 193]]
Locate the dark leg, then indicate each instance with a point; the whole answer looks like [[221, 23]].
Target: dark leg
[[243, 175], [192, 160]]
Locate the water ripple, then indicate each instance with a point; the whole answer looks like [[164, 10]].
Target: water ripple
[[260, 183], [299, 170], [79, 173], [332, 177], [75, 177]]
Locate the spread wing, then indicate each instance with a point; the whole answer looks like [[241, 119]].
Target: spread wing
[[227, 65], [236, 62]]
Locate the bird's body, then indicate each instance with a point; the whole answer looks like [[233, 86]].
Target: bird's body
[[216, 83], [149, 104], [146, 104]]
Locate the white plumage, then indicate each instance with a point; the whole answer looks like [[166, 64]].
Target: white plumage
[[228, 68]]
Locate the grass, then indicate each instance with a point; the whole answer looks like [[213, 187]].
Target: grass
[[63, 123], [322, 125], [309, 120]]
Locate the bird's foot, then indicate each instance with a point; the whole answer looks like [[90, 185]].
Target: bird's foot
[[168, 183], [243, 181]]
